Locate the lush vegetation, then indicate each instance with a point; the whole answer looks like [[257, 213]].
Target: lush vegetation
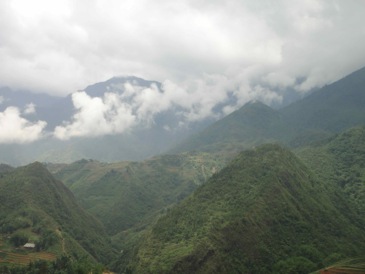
[[125, 194], [266, 212], [38, 209], [340, 161], [62, 265]]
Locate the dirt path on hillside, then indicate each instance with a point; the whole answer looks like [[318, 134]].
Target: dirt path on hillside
[[59, 233]]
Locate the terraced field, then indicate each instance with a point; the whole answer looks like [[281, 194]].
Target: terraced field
[[342, 270], [25, 258], [356, 266]]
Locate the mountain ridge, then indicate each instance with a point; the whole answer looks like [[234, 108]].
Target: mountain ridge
[[333, 108], [264, 213], [326, 111], [124, 194], [252, 124]]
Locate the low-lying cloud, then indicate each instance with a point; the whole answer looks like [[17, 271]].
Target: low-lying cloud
[[130, 105], [96, 116], [30, 109], [203, 52], [115, 112], [16, 129]]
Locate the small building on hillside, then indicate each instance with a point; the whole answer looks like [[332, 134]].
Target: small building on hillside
[[29, 245]]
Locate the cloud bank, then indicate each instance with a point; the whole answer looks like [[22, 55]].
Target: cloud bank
[[61, 47], [96, 116], [124, 107], [16, 129], [203, 53]]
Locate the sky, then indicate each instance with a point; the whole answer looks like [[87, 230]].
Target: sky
[[199, 50]]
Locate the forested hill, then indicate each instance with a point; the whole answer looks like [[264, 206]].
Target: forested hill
[[341, 161], [252, 124], [37, 208], [124, 194], [333, 108], [266, 212]]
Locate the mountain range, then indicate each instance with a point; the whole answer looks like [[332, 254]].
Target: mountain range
[[329, 110], [143, 141], [262, 190]]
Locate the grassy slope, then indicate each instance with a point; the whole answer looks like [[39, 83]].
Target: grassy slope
[[263, 213]]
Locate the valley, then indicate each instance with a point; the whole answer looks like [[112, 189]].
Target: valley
[[261, 190]]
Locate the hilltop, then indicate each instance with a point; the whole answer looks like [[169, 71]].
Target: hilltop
[[266, 212]]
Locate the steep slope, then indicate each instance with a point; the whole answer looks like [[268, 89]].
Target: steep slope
[[254, 123], [37, 208], [341, 160], [124, 194], [329, 110], [333, 108], [265, 212]]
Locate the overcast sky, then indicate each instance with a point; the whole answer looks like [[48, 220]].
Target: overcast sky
[[201, 47], [61, 46]]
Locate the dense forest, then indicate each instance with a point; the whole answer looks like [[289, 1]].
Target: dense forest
[[262, 190]]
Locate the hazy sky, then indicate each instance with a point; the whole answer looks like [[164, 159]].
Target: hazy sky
[[61, 46], [198, 49]]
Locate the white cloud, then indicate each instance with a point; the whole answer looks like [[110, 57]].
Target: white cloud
[[15, 129], [96, 116], [126, 106], [64, 46], [202, 51], [29, 109]]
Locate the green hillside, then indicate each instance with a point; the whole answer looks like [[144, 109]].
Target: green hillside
[[38, 209], [333, 108], [266, 212], [341, 160], [124, 194], [253, 124]]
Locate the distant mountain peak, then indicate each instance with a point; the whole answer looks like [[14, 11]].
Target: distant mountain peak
[[128, 78], [252, 102], [116, 83], [256, 104]]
